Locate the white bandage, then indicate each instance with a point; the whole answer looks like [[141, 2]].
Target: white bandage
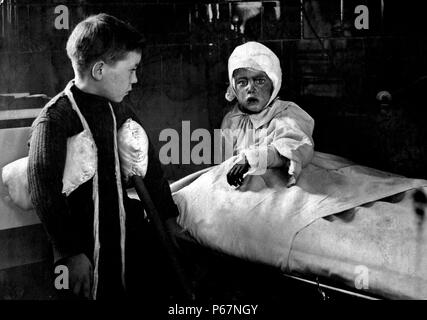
[[80, 163], [133, 149]]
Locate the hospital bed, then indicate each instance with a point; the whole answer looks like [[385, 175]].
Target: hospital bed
[[26, 261], [25, 255], [375, 250]]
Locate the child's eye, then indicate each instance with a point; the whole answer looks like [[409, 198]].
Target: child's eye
[[242, 82], [260, 81]]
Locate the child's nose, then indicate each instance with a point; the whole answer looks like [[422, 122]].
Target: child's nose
[[134, 79], [251, 86]]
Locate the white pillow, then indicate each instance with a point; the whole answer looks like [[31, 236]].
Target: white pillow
[[15, 179], [133, 149]]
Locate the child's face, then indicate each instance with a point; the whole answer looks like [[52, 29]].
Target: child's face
[[253, 89], [117, 79]]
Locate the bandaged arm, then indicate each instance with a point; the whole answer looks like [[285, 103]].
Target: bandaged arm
[[291, 143], [155, 181]]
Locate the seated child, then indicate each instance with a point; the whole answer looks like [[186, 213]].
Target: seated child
[[273, 184], [280, 131]]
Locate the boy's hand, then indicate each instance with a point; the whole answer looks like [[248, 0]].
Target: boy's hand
[[235, 175], [80, 273]]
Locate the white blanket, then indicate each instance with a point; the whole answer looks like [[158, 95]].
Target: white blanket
[[259, 220]]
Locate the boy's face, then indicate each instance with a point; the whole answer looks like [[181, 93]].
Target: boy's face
[[253, 89], [117, 79]]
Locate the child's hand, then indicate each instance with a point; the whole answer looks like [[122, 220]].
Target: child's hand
[[235, 175]]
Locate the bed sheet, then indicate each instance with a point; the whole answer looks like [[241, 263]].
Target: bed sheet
[[334, 223], [378, 248]]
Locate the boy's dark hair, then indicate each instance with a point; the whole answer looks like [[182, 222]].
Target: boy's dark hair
[[102, 36]]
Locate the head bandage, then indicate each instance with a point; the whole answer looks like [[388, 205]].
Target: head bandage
[[254, 55]]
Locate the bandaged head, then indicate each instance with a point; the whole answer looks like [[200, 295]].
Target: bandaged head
[[254, 55]]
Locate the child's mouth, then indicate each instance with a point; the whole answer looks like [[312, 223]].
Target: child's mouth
[[251, 100]]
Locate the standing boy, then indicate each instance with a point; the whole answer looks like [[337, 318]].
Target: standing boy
[[96, 231]]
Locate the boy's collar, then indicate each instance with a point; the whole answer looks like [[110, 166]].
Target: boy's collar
[[86, 95]]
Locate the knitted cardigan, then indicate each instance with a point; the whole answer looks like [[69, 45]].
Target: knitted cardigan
[[69, 220]]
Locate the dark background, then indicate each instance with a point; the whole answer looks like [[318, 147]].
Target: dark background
[[330, 69]]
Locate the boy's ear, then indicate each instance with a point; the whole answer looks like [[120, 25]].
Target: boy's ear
[[97, 70]]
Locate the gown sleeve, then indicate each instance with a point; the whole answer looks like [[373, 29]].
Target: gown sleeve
[[293, 139], [289, 142]]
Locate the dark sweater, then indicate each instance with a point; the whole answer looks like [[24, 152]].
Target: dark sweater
[[69, 220]]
